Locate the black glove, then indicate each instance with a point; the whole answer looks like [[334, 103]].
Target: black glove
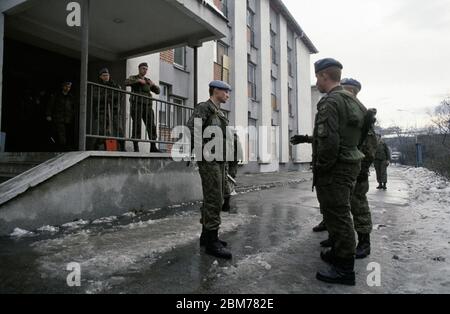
[[299, 139]]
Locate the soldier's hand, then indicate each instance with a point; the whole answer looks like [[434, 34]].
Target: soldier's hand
[[143, 82], [299, 139]]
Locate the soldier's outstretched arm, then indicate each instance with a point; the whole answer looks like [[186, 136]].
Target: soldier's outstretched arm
[[301, 139], [327, 137]]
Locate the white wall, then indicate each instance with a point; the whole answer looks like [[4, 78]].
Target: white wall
[[305, 126], [206, 54], [264, 84], [239, 79], [283, 88], [153, 74]]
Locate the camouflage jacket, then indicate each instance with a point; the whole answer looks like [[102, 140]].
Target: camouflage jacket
[[383, 152], [337, 130], [142, 89], [210, 115]]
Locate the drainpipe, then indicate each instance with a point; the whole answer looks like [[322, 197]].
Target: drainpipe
[[84, 73], [195, 76]]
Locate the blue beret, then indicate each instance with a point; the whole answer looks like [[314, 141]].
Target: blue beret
[[220, 85], [103, 71], [351, 82], [327, 63]]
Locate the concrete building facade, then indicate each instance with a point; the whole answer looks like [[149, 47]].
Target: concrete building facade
[[265, 56]]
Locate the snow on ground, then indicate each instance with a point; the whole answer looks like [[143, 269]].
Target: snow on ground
[[102, 254], [18, 233], [421, 239]]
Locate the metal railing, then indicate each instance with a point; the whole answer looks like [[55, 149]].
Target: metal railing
[[123, 116]]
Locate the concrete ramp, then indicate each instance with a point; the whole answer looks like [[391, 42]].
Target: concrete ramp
[[91, 185]]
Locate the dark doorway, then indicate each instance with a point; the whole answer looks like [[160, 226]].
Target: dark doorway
[[30, 76]]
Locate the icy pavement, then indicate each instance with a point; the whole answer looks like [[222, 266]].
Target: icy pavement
[[157, 251]]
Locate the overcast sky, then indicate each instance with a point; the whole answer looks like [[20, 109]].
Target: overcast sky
[[398, 49]]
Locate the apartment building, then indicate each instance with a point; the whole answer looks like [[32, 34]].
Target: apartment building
[[265, 56]]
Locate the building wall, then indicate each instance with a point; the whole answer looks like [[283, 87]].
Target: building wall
[[271, 147]]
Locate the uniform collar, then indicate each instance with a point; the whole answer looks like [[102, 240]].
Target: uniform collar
[[337, 88]]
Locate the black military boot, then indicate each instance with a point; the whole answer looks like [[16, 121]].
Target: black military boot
[[203, 238], [214, 247], [384, 186], [226, 204], [327, 243], [340, 272], [380, 186], [363, 247], [328, 256], [136, 147], [320, 227]]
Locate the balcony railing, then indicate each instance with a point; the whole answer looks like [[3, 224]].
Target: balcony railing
[[116, 114]]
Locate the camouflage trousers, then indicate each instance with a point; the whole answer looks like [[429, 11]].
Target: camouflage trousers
[[213, 185], [360, 207], [381, 169], [334, 190]]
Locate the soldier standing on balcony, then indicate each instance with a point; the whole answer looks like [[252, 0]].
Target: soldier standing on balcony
[[60, 111], [141, 107], [112, 116]]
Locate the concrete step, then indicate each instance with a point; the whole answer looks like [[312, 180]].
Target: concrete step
[[13, 164]]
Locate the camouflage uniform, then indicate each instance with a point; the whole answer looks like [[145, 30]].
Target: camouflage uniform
[[360, 205], [142, 108], [382, 157], [61, 109], [337, 163], [212, 173]]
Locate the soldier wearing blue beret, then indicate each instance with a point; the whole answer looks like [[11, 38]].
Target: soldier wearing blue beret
[[337, 159], [349, 82], [212, 167], [220, 85], [326, 63]]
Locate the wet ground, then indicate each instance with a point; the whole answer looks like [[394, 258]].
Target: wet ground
[[269, 232]]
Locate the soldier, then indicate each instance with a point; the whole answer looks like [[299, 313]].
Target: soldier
[[61, 111], [382, 161], [141, 108], [106, 110], [212, 173], [336, 165], [362, 218]]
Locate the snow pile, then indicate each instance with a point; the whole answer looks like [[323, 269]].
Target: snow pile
[[50, 229], [104, 220], [19, 233], [75, 224], [428, 187]]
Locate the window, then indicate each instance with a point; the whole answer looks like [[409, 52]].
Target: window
[[291, 101], [251, 27], [221, 66], [177, 114], [290, 67], [273, 46], [180, 56], [251, 80], [274, 94], [224, 7]]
